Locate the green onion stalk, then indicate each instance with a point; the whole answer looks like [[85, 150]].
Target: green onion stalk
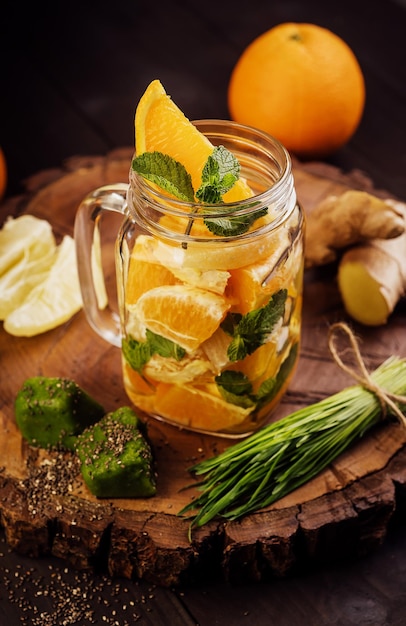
[[285, 454]]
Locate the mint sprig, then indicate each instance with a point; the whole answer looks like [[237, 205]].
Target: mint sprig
[[220, 173], [252, 330]]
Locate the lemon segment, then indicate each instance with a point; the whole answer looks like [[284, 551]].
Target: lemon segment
[[17, 283], [52, 302], [24, 237]]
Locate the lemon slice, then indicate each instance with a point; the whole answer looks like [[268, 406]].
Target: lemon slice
[[17, 283], [52, 302], [160, 125], [22, 237]]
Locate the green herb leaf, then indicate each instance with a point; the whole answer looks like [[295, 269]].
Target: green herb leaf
[[164, 347], [244, 401], [136, 353], [235, 387], [165, 172], [270, 387], [233, 225], [220, 172], [252, 330], [235, 382]]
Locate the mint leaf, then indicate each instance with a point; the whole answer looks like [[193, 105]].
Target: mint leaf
[[238, 348], [221, 171], [228, 168], [267, 390], [233, 225], [209, 194], [235, 382], [244, 401], [136, 353], [165, 172], [209, 190], [235, 387], [251, 330], [270, 387], [164, 347]]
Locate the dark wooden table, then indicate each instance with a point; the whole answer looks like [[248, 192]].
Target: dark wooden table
[[72, 75]]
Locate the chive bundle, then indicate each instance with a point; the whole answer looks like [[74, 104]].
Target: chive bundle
[[280, 457]]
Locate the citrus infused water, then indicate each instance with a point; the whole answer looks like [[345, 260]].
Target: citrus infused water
[[209, 267], [210, 294]]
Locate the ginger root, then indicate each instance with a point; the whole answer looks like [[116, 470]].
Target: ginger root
[[372, 277], [340, 222]]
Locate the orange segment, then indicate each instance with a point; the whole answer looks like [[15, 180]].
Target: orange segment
[[262, 364], [140, 389], [212, 280], [198, 408], [137, 383], [212, 257], [160, 125], [252, 285], [215, 348], [163, 264], [195, 368], [144, 276], [186, 315]]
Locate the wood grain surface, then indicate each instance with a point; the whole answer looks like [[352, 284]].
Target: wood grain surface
[[344, 511]]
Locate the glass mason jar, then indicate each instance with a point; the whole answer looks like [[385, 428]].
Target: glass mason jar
[[209, 296]]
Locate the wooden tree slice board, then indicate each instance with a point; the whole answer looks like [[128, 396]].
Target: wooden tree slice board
[[342, 513]]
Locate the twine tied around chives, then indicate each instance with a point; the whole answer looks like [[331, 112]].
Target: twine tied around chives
[[386, 398]]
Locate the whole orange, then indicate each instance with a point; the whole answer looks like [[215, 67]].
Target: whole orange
[[302, 84], [3, 174]]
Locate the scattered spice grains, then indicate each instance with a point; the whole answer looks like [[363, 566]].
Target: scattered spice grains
[[64, 597], [51, 477]]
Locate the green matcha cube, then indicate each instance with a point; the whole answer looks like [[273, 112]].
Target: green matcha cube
[[52, 411], [116, 458]]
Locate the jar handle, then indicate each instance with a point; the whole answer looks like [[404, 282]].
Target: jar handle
[[98, 311]]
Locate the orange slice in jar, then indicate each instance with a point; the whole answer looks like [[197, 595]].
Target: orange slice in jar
[[183, 314], [155, 263], [143, 276], [251, 286], [200, 408], [191, 369]]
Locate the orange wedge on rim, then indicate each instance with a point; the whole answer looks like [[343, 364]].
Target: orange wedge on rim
[[161, 126]]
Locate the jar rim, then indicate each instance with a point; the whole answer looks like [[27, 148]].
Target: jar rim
[[243, 132], [252, 142]]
